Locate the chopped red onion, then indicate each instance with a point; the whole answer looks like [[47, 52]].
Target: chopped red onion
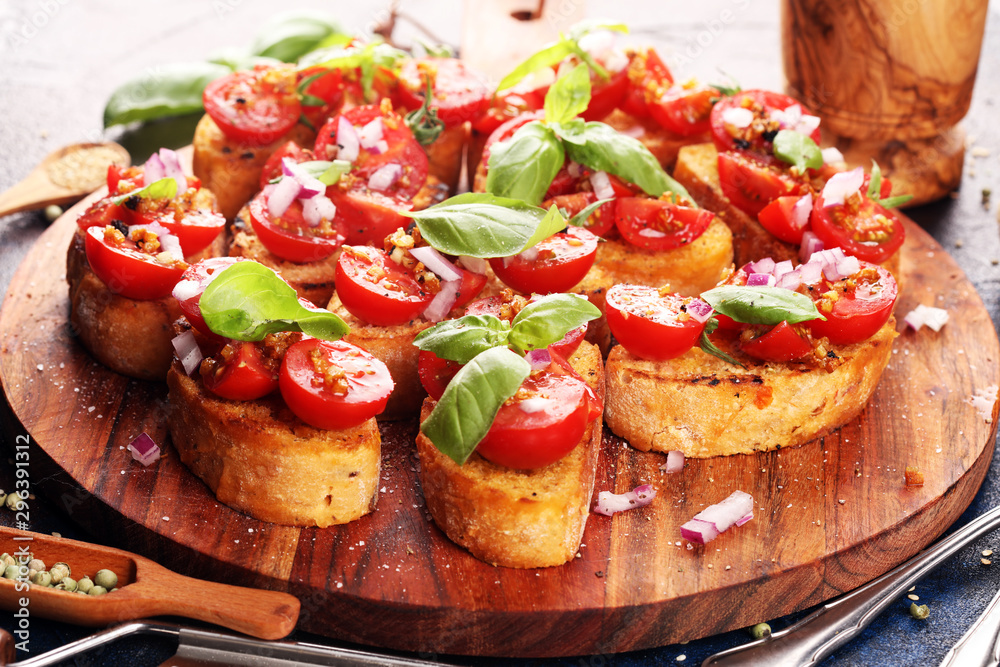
[[842, 268], [188, 352], [738, 117], [790, 280], [615, 60], [281, 197], [760, 280], [436, 263], [832, 155], [781, 268], [810, 272], [793, 119], [609, 503], [144, 450], [700, 532], [309, 186], [737, 509], [935, 318], [443, 301], [475, 264], [318, 209], [153, 170], [371, 134], [810, 245], [539, 359], [168, 242], [597, 42], [765, 265], [801, 211], [675, 462], [348, 144], [380, 147], [529, 255], [699, 310], [842, 185], [743, 519], [573, 169], [172, 168], [535, 404], [602, 185], [385, 177]]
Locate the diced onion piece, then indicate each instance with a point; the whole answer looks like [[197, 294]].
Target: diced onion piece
[[381, 146], [602, 185], [790, 280], [597, 42], [842, 268], [699, 310], [153, 170], [371, 133], [760, 280], [737, 117], [385, 177], [474, 264], [188, 352], [675, 462], [281, 197], [706, 525], [185, 289], [529, 255], [318, 209], [781, 268], [539, 359], [700, 532], [935, 318], [807, 124], [172, 244], [810, 245], [743, 519], [651, 233], [765, 265], [609, 503], [573, 169], [436, 263], [810, 272], [615, 60], [801, 211], [172, 168], [348, 143], [832, 155], [144, 450], [535, 404], [842, 185], [309, 186], [443, 301]]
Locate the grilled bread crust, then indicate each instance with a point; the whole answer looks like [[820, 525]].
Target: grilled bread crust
[[259, 458], [516, 518], [703, 406], [445, 156]]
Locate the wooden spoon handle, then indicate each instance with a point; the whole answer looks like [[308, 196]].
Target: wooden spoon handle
[[33, 192]]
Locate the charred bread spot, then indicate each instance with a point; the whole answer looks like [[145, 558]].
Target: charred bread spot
[[247, 155]]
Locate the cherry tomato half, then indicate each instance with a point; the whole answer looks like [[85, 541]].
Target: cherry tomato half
[[659, 225], [504, 107], [256, 107], [600, 221], [684, 109], [780, 343], [290, 237], [779, 218], [240, 372], [459, 93], [649, 324], [761, 103], [526, 435], [861, 227], [127, 270], [272, 168], [862, 305], [648, 78], [553, 265], [606, 94], [376, 289], [333, 384], [435, 373], [750, 185]]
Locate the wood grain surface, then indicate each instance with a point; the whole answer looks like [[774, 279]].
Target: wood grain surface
[[830, 514]]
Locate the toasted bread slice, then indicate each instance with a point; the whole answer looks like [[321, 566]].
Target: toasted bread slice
[[232, 170], [516, 518], [445, 156], [259, 458], [703, 406]]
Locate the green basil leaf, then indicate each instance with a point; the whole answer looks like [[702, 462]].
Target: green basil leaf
[[247, 301], [708, 347], [465, 413], [436, 50], [602, 148], [547, 57], [164, 188], [167, 90], [287, 37], [797, 150], [462, 339], [875, 182], [580, 219], [523, 166], [552, 223], [762, 305], [572, 131], [479, 225], [569, 96], [237, 59], [893, 202], [546, 321], [324, 171]]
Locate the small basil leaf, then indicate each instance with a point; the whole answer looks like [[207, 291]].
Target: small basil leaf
[[462, 339], [552, 223], [548, 320], [893, 202], [288, 37], [875, 182], [167, 90], [247, 301], [479, 225], [573, 131], [569, 96], [602, 148], [523, 166], [424, 122], [708, 347], [547, 57], [436, 50], [164, 188], [324, 171], [797, 150], [762, 305], [465, 413], [580, 219]]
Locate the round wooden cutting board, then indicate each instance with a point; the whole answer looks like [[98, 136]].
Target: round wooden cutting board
[[829, 516]]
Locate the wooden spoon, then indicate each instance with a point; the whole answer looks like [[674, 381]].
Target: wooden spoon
[[144, 589], [64, 176]]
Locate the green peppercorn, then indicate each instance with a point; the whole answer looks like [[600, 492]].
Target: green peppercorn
[[760, 631], [3, 498], [67, 584], [42, 578], [58, 571], [52, 212], [14, 502], [11, 572], [84, 584], [6, 559], [36, 564], [919, 612], [97, 590], [106, 579]]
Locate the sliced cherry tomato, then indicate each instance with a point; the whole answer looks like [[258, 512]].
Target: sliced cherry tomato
[[256, 107], [780, 219], [195, 229], [862, 304], [459, 93], [554, 265], [126, 269], [366, 217], [192, 284], [524, 440], [504, 107], [117, 174], [472, 284], [101, 214], [659, 225], [651, 324], [685, 109], [606, 95], [648, 79], [290, 237], [861, 227], [334, 87], [780, 343], [885, 187], [750, 185], [376, 289], [435, 373], [272, 168], [240, 372], [333, 384], [600, 221], [506, 306], [400, 149], [761, 103]]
